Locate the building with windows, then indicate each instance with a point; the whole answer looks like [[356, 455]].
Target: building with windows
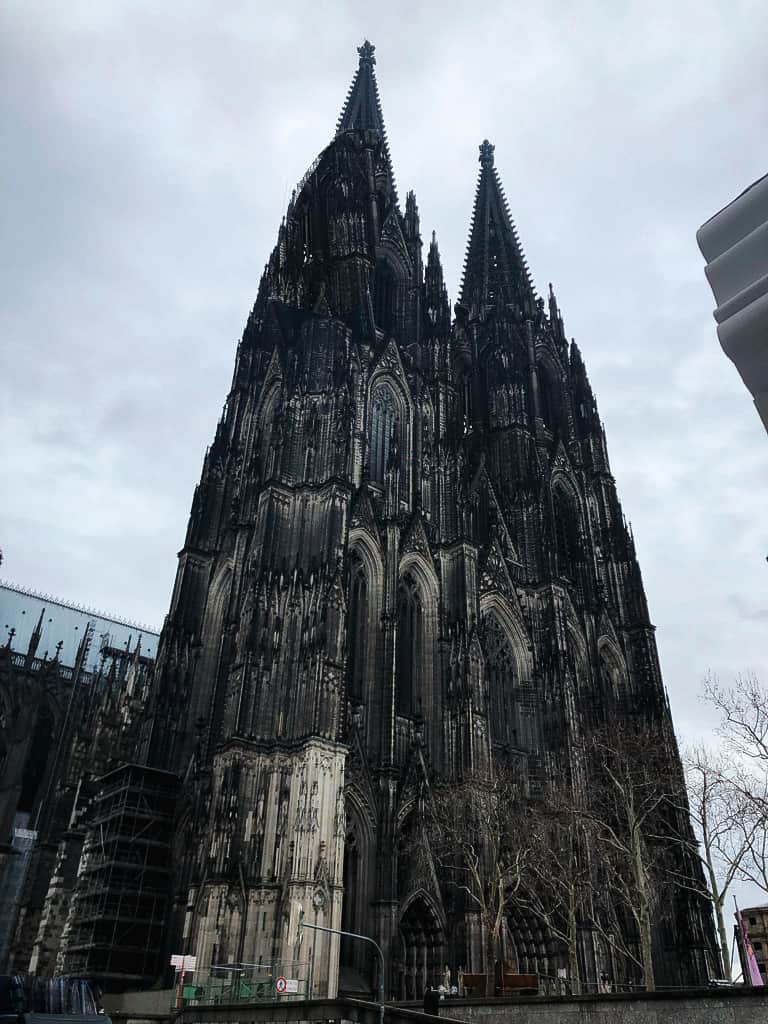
[[406, 566], [72, 685], [756, 922], [406, 562]]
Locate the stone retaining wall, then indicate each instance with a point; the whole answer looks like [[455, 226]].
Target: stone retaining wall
[[719, 1006]]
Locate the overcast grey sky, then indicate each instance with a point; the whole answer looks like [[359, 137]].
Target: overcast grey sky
[[147, 152]]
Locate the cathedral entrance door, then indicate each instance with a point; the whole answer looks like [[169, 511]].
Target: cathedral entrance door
[[422, 949]]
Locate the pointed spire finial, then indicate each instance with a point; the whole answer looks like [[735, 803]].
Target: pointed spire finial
[[362, 109], [366, 52], [486, 153]]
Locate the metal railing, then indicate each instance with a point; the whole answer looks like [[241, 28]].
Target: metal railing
[[237, 983]]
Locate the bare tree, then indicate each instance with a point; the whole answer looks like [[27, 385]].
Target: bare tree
[[556, 874], [744, 710], [480, 849], [724, 826], [754, 867], [743, 707], [629, 809]]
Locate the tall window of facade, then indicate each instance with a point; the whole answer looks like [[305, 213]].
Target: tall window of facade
[[566, 532], [384, 427], [611, 675], [384, 297], [410, 632], [500, 677], [549, 399], [358, 627]]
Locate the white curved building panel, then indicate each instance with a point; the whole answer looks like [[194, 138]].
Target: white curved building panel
[[735, 244]]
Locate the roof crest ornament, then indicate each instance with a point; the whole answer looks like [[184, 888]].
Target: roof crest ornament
[[366, 53], [486, 153]]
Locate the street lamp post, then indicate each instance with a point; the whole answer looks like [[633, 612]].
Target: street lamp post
[[364, 938]]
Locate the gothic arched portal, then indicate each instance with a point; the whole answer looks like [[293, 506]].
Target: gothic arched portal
[[528, 946], [422, 949], [357, 970]]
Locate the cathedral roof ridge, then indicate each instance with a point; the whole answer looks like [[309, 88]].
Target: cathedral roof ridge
[[74, 606]]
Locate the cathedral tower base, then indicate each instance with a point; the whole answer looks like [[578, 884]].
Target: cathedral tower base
[[275, 859]]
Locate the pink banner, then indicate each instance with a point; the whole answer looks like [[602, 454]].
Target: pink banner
[[755, 977]]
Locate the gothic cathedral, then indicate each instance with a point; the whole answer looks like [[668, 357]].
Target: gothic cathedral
[[406, 561]]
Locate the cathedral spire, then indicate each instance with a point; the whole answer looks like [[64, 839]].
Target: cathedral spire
[[362, 108], [437, 307], [34, 640], [495, 270]]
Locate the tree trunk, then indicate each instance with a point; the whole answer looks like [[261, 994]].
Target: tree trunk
[[643, 914], [717, 902], [490, 958], [646, 950], [725, 958], [573, 951]]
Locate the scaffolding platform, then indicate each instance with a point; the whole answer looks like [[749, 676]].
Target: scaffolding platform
[[124, 888]]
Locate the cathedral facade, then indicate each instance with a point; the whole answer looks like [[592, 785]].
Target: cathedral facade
[[406, 561]]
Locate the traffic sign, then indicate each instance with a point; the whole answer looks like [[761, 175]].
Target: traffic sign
[[281, 984], [183, 962]]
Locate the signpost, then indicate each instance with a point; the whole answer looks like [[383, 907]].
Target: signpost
[[287, 986], [183, 963]]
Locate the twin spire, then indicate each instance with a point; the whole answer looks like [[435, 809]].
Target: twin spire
[[495, 270], [362, 107]]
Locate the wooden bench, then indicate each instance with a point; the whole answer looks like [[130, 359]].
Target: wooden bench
[[474, 984], [510, 983]]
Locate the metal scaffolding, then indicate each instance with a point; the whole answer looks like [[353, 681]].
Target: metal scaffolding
[[124, 888]]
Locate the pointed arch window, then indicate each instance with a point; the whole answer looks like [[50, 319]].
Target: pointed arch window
[[566, 529], [549, 399], [270, 434], [501, 680], [384, 297], [611, 676], [514, 709], [358, 628], [410, 643], [385, 426]]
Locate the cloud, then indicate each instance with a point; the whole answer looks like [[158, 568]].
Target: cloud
[[746, 611], [147, 156]]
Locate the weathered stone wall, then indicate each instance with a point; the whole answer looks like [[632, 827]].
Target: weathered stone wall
[[151, 1001], [292, 840], [733, 1006]]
